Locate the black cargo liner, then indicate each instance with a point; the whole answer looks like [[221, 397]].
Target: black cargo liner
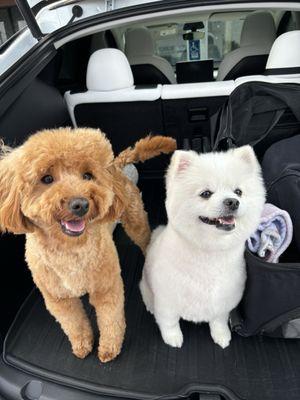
[[257, 368]]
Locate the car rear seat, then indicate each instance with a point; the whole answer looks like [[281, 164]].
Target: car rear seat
[[147, 67], [283, 64], [184, 104], [112, 102], [127, 112], [257, 37], [188, 108]]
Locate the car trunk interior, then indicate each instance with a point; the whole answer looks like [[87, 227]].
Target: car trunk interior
[[256, 368], [251, 368]]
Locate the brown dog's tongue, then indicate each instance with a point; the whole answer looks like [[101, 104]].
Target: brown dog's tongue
[[74, 226]]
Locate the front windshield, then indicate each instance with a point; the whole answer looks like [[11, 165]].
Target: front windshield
[[217, 36]]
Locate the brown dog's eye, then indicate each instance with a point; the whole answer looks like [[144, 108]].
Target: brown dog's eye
[[47, 179], [87, 176]]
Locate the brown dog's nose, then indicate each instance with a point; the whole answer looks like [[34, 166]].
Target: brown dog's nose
[[79, 206]]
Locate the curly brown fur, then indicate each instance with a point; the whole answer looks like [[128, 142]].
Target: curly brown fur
[[66, 267], [144, 149]]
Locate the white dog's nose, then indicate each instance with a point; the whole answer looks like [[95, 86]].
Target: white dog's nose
[[231, 204]]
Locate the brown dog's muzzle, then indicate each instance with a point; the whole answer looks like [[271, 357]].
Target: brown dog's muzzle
[[78, 206]]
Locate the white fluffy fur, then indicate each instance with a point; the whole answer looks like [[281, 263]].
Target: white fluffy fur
[[193, 270]]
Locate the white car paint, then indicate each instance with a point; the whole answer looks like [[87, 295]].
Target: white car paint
[[51, 18]]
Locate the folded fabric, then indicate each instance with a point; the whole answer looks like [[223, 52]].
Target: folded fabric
[[273, 235]]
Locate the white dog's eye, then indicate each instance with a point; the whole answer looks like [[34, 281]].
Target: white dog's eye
[[238, 192], [47, 179], [206, 194], [87, 176]]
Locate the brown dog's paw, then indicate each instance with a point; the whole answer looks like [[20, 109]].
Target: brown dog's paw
[[81, 347], [107, 353]]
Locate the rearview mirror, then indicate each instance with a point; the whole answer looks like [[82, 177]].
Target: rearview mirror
[[195, 28]]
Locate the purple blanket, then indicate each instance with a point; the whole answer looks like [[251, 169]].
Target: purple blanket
[[273, 235]]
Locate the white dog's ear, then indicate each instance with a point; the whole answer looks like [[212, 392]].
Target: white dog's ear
[[246, 154], [180, 162]]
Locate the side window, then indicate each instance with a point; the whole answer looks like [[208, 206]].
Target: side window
[[11, 20]]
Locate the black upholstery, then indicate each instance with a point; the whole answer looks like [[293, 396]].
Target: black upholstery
[[147, 74], [125, 123], [110, 40], [75, 56], [40, 106], [251, 65], [189, 120], [284, 23]]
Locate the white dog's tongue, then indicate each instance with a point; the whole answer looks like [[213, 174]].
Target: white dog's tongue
[[226, 220], [74, 226]]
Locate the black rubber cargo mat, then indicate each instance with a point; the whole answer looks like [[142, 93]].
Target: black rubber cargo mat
[[251, 368]]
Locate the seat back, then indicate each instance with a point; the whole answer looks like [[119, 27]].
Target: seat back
[[257, 37], [125, 112], [147, 68], [283, 64]]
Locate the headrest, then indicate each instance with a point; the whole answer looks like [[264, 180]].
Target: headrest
[[138, 42], [285, 53], [258, 29], [108, 69]]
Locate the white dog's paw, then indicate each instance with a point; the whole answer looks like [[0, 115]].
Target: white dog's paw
[[221, 336], [173, 336]]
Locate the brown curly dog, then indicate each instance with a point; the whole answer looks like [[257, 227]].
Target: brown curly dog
[[63, 189]]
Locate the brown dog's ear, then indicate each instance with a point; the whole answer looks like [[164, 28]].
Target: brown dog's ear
[[118, 206], [11, 216]]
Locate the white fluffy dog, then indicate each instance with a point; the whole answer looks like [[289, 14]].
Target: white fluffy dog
[[195, 266]]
